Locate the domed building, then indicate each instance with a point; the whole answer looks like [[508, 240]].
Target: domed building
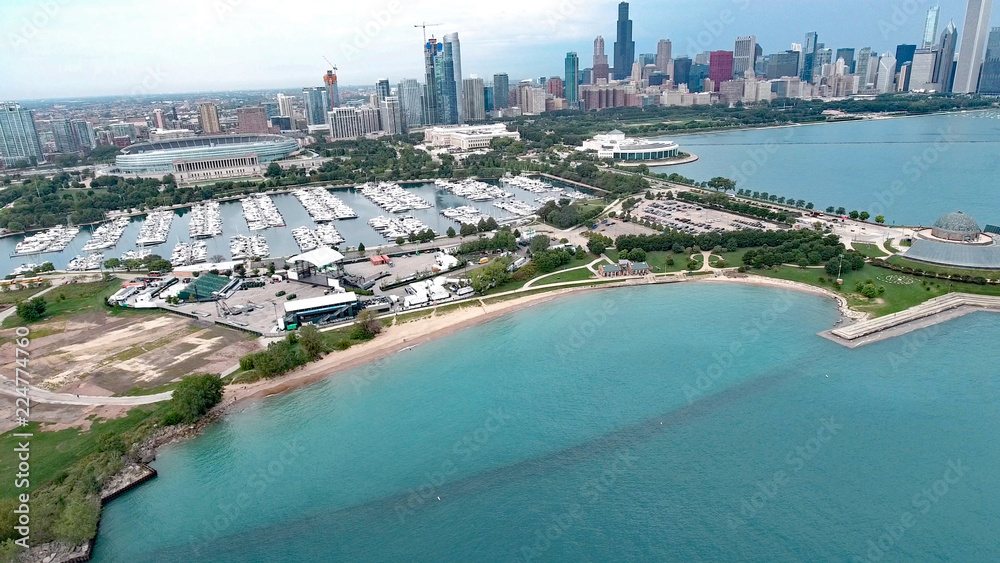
[[957, 227]]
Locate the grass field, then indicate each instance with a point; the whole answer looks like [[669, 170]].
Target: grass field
[[900, 261], [12, 297], [565, 276], [53, 452], [73, 299], [657, 261], [733, 259], [869, 250]]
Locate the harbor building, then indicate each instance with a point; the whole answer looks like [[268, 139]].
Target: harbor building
[[616, 146]]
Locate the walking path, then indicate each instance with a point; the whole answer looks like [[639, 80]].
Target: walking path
[[13, 309], [592, 267], [38, 395]]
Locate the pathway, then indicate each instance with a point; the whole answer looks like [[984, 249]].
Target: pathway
[[592, 267], [38, 395]]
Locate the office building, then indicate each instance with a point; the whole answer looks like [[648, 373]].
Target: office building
[[720, 67], [456, 63], [865, 65], [697, 77], [354, 122], [316, 105], [945, 72], [332, 90], [823, 56], [848, 55], [252, 121], [904, 54], [931, 26], [886, 81], [664, 60], [970, 55], [440, 104], [921, 73], [624, 46], [286, 107], [159, 120], [488, 99], [555, 87], [208, 118], [391, 115], [18, 137], [83, 131], [744, 55], [63, 135], [501, 91], [682, 70], [123, 130], [474, 99], [602, 70], [807, 57], [409, 93], [782, 64], [572, 80], [990, 81], [382, 89]]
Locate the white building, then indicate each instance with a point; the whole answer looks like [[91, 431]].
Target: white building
[[886, 74], [216, 168], [351, 123], [393, 122], [468, 137], [156, 135], [616, 146]]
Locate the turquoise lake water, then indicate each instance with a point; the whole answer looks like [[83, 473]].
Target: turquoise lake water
[[911, 170], [662, 423]]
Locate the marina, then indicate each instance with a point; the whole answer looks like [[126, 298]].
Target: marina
[[323, 206], [528, 184], [323, 235], [242, 247], [394, 227], [185, 254], [474, 189], [55, 239], [260, 213], [392, 197], [107, 235], [84, 263], [465, 215], [136, 254], [206, 221], [155, 229], [519, 208]]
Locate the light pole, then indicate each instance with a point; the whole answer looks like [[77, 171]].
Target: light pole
[[840, 270]]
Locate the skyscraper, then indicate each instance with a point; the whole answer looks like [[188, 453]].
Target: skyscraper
[[780, 65], [501, 91], [808, 56], [664, 62], [474, 99], [285, 107], [886, 74], [332, 90], [382, 89], [18, 137], [317, 105], [904, 54], [456, 56], [624, 46], [208, 118], [720, 67], [63, 135], [601, 69], [408, 92], [83, 131], [970, 55], [252, 121], [990, 81], [572, 80], [440, 91], [159, 120], [848, 55], [744, 56], [392, 116], [930, 27], [430, 110], [861, 66], [922, 71], [945, 72], [682, 70]]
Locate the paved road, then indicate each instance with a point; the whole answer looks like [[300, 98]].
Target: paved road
[[37, 395]]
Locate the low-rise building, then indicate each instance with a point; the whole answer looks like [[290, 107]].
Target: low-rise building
[[468, 137], [616, 146]]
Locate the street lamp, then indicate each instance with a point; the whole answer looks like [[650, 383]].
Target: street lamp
[[840, 270]]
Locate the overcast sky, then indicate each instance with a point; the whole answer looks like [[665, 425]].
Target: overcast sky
[[75, 48]]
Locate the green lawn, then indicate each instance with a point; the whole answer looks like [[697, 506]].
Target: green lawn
[[733, 259], [73, 299], [890, 247], [657, 261], [869, 250], [53, 452], [900, 261], [897, 297], [565, 276], [11, 297]]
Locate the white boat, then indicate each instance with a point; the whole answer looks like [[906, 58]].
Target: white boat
[[156, 228]]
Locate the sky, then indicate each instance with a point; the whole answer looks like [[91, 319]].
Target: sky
[[78, 48]]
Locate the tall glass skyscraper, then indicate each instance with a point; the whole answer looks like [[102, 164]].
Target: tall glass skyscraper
[[18, 138], [317, 104], [624, 46], [440, 93], [572, 80], [501, 91], [930, 26], [990, 81], [456, 56], [944, 74], [382, 89], [409, 94], [63, 135]]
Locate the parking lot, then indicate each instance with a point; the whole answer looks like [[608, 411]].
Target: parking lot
[[692, 218]]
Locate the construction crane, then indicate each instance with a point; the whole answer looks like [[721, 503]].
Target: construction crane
[[425, 25], [332, 66]]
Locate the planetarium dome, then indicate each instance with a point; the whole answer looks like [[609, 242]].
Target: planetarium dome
[[957, 227]]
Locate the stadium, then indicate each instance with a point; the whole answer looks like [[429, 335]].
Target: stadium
[[159, 157]]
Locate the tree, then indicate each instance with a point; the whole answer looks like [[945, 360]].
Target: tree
[[451, 232], [361, 248], [367, 324], [312, 341], [830, 210], [31, 311], [78, 521], [489, 276], [864, 215], [854, 215], [722, 184], [195, 395], [401, 241], [539, 243], [598, 245], [274, 171], [112, 263], [841, 211], [467, 229]]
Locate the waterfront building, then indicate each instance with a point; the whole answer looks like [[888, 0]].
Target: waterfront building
[[501, 91], [474, 99], [468, 137], [62, 134], [208, 118], [157, 157], [316, 104], [83, 132], [440, 90], [409, 92], [392, 116], [931, 26], [252, 121], [970, 55], [18, 136], [286, 107], [664, 60], [624, 45], [990, 81], [616, 146], [572, 81], [332, 90], [744, 55], [720, 68]]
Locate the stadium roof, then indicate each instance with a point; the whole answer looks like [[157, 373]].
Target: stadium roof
[[322, 256], [975, 257]]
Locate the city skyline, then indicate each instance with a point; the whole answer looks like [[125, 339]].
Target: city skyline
[[524, 40]]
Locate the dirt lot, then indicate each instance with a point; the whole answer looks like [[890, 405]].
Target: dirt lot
[[96, 354]]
